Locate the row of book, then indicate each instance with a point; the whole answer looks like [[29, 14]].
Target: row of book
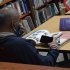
[[20, 5], [38, 3], [27, 23], [45, 13]]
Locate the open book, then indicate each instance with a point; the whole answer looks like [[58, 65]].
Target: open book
[[36, 36]]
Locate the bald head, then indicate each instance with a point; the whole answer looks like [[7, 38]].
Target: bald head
[[8, 17]]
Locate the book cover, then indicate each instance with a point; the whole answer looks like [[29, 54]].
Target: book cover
[[65, 24]]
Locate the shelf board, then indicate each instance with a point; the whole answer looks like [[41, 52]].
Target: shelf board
[[5, 1], [24, 15]]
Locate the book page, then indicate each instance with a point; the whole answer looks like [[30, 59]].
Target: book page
[[36, 36]]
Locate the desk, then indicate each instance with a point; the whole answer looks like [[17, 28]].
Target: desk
[[68, 13], [53, 26], [14, 66]]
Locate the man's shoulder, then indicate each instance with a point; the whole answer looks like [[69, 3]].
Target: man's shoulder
[[17, 40]]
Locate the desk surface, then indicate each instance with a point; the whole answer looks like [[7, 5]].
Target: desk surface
[[14, 66], [68, 13], [53, 26]]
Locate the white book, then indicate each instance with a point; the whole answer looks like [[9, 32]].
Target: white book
[[25, 24], [17, 6], [36, 36]]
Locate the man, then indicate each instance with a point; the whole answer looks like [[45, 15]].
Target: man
[[17, 49]]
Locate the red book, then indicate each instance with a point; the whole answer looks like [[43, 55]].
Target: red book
[[67, 8]]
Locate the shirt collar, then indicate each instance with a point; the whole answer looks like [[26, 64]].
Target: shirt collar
[[3, 34]]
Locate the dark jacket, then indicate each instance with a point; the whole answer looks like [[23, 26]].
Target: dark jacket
[[16, 49]]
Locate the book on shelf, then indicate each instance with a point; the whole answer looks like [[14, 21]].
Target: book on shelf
[[64, 24], [37, 20], [16, 5], [36, 36], [20, 5], [52, 9], [38, 3], [56, 9], [41, 15], [48, 11], [30, 22], [25, 24]]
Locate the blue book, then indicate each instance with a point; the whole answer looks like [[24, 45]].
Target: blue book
[[65, 24], [22, 6], [26, 6]]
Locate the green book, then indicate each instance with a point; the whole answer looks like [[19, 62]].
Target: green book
[[52, 9]]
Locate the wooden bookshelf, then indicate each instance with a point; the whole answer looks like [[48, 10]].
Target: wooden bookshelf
[[5, 2], [24, 15]]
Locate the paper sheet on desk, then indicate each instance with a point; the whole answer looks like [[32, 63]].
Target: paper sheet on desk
[[63, 39]]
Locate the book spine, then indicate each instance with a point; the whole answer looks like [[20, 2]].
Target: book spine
[[25, 24], [37, 18], [48, 12], [22, 6], [26, 6], [17, 6], [30, 23], [52, 9]]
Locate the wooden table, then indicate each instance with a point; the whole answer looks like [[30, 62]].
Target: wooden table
[[14, 66], [68, 13], [53, 26]]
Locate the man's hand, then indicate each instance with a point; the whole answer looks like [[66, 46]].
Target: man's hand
[[53, 45]]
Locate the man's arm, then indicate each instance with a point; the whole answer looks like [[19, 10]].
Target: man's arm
[[29, 55]]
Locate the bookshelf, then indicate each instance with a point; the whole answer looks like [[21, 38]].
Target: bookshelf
[[21, 16], [32, 16], [5, 2], [23, 8]]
